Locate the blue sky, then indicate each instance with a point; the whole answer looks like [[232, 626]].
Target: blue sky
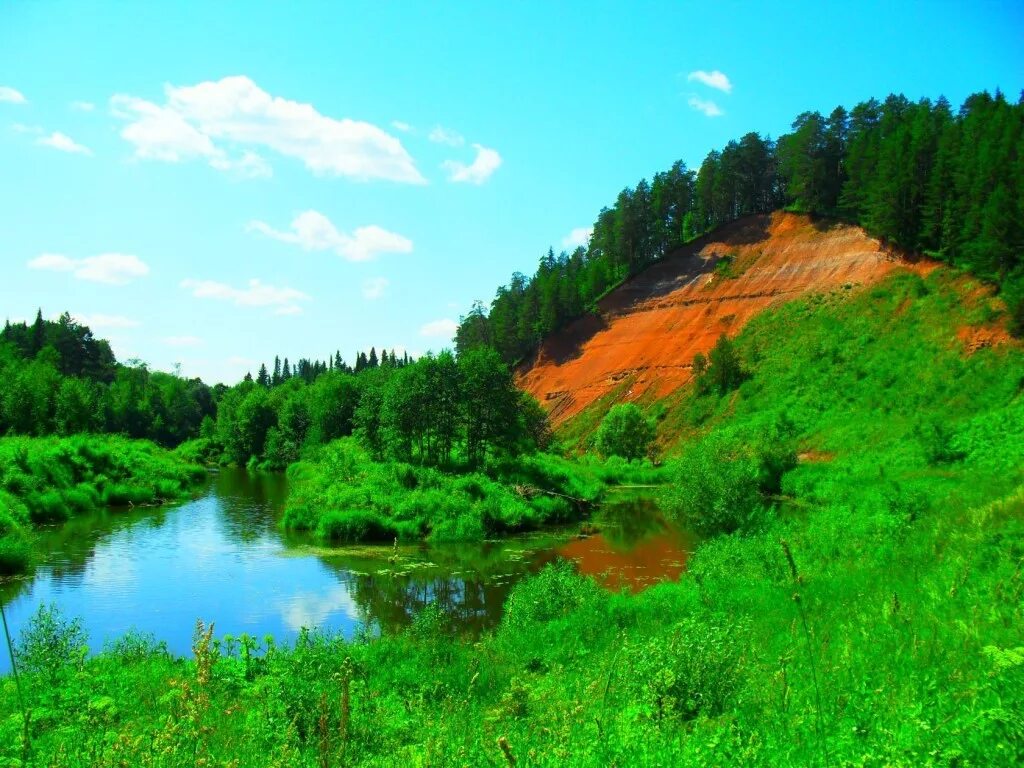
[[212, 184]]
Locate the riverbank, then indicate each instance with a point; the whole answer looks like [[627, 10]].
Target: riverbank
[[770, 654], [52, 479]]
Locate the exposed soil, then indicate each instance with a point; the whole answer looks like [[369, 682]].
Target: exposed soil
[[981, 337], [650, 328]]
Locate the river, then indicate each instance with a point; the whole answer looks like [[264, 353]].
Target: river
[[221, 557]]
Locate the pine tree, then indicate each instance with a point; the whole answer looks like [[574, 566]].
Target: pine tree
[[38, 336], [286, 371], [276, 378], [263, 379]]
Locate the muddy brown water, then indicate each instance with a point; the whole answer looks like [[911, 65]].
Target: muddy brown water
[[222, 558]]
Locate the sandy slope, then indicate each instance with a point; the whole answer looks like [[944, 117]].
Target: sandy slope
[[650, 328]]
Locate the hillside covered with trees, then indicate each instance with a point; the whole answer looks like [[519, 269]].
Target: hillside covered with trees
[[921, 176]]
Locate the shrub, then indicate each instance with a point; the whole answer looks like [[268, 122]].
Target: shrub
[[625, 432], [715, 489], [695, 670]]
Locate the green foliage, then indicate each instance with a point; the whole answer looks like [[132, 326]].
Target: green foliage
[[52, 479], [721, 371], [625, 432], [716, 488], [341, 494]]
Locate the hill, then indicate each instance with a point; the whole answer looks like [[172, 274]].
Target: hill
[[647, 331]]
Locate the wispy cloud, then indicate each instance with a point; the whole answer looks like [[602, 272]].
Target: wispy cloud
[[83, 106], [313, 231], [487, 161], [441, 135], [254, 294], [374, 287], [444, 329], [109, 268], [713, 79], [401, 126], [217, 120], [11, 96], [580, 236], [63, 143], [708, 107]]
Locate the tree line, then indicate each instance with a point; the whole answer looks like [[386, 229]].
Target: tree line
[[60, 379], [437, 410], [919, 175]]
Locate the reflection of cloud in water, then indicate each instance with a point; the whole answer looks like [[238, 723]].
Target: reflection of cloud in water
[[110, 572], [311, 609]]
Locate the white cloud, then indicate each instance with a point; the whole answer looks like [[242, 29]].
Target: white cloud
[[313, 231], [182, 341], [64, 143], [713, 79], [441, 135], [401, 126], [254, 294], [109, 268], [709, 108], [374, 287], [487, 162], [249, 165], [11, 96], [580, 236], [314, 609], [22, 128], [83, 106], [236, 111], [444, 328], [107, 321], [159, 133]]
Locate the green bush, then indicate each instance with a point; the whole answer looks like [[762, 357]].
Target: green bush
[[716, 488], [695, 669], [625, 432]]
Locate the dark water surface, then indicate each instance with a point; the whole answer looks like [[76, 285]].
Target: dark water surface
[[222, 558]]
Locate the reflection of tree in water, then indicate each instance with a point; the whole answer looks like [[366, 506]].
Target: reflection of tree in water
[[469, 583], [628, 519], [68, 549], [250, 502]]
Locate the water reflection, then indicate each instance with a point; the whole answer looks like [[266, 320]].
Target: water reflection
[[221, 557], [636, 547]]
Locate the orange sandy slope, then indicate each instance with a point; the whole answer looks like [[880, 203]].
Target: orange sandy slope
[[650, 328]]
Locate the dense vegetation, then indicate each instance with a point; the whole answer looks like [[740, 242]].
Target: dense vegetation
[[436, 411], [60, 379], [48, 480], [918, 175], [865, 610], [341, 494]]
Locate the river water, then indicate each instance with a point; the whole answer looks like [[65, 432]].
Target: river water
[[221, 557]]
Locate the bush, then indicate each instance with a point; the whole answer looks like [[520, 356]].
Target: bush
[[625, 432], [695, 670], [715, 489]]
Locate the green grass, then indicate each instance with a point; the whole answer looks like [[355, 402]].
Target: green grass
[[887, 631], [51, 479]]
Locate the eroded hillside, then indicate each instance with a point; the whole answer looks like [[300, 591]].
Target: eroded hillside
[[649, 329]]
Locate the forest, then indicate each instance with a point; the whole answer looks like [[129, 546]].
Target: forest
[[918, 175]]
